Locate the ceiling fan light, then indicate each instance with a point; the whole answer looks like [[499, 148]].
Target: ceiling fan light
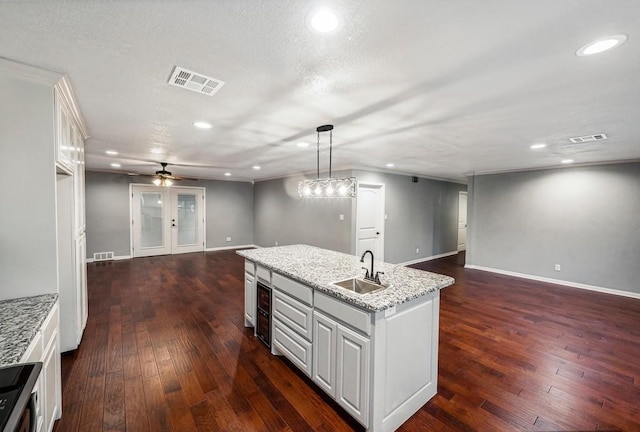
[[156, 182]]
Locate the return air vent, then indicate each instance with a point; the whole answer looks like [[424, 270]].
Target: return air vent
[[588, 138], [103, 256], [194, 81]]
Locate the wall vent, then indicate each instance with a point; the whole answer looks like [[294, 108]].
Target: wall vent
[[194, 81], [588, 138], [103, 256]]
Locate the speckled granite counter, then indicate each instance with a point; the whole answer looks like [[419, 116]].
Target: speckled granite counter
[[20, 320], [318, 268]]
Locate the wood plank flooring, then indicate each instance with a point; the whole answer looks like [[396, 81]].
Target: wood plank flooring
[[165, 349]]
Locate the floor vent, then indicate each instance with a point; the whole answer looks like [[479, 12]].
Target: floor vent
[[103, 256], [194, 81], [588, 138]]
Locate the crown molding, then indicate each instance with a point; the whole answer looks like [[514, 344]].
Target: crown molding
[[30, 73]]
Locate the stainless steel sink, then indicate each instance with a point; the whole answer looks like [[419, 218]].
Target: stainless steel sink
[[360, 286]]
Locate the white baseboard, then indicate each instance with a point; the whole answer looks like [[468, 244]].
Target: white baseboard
[[115, 258], [419, 260], [557, 281], [229, 247]]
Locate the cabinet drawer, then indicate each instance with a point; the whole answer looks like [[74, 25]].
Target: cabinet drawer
[[264, 274], [293, 288], [354, 317], [250, 267], [49, 326], [292, 346], [293, 313]]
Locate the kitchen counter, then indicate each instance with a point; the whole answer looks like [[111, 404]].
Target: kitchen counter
[[20, 320], [318, 268]]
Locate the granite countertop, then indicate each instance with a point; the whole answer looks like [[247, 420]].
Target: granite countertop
[[20, 320], [318, 268]]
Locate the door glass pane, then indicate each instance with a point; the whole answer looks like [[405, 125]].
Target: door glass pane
[[151, 219], [187, 211]]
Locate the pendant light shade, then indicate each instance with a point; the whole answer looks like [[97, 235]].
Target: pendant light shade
[[327, 187]]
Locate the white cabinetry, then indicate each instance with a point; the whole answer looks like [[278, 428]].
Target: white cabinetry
[[70, 161], [249, 294], [325, 332], [342, 354], [292, 321], [45, 348]]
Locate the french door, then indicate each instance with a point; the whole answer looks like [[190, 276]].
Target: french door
[[166, 220]]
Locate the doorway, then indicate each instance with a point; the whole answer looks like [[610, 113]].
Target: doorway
[[370, 219], [166, 220], [462, 221]]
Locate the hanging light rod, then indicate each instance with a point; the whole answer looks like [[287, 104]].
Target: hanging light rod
[[327, 187]]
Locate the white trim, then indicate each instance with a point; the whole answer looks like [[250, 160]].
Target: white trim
[[557, 281], [213, 249], [63, 87], [115, 258], [30, 73], [424, 259]]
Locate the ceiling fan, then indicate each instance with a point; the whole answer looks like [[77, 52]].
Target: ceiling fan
[[165, 178]]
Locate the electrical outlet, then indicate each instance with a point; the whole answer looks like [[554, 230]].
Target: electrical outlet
[[417, 250], [228, 238], [557, 267], [276, 243], [341, 217]]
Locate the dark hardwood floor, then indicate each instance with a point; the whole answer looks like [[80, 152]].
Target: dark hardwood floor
[[165, 349]]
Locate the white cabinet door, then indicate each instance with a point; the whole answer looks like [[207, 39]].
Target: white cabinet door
[[81, 284], [51, 376], [352, 383], [324, 353], [249, 300]]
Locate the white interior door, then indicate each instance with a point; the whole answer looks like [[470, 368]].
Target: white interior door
[[370, 219], [462, 221], [166, 220], [187, 220]]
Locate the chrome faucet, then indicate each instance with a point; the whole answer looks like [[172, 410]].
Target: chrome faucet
[[370, 275]]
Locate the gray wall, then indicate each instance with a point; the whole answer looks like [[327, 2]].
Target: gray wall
[[229, 212], [28, 248], [585, 218], [421, 215], [281, 216]]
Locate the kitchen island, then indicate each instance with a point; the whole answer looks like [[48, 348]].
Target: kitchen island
[[376, 354]]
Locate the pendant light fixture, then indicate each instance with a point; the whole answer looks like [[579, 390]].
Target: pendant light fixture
[[327, 187]]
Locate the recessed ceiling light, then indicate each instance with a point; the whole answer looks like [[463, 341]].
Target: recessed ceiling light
[[303, 144], [116, 165], [111, 152], [566, 161], [227, 174], [537, 146], [256, 167], [390, 165], [601, 45], [157, 150], [322, 20], [202, 125]]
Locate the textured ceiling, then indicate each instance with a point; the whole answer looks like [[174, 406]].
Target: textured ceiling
[[439, 88]]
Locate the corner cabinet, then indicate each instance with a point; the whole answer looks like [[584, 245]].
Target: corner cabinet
[[45, 348]]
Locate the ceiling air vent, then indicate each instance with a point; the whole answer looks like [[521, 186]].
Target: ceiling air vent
[[588, 138], [194, 81]]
